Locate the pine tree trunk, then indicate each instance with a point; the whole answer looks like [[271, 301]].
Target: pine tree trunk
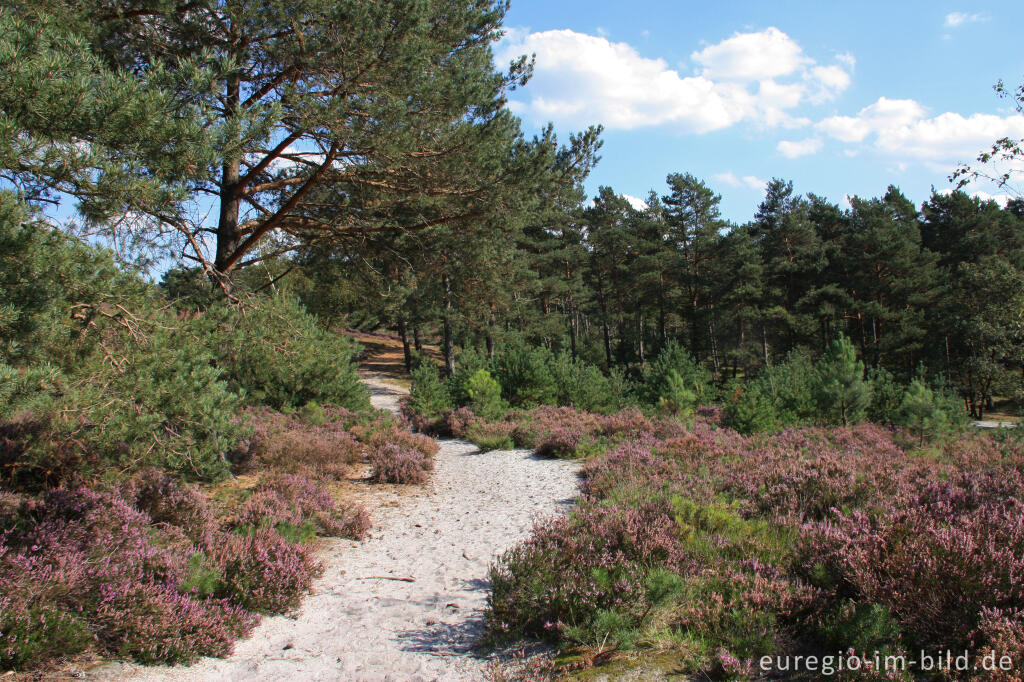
[[764, 343], [406, 350], [640, 336], [573, 322], [230, 200], [449, 341]]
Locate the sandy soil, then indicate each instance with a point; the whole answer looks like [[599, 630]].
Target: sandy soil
[[405, 604]]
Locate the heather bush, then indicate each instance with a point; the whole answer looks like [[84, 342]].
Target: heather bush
[[459, 422], [725, 547], [491, 435], [283, 443], [264, 572], [393, 463], [101, 573], [169, 501], [158, 624], [386, 432], [935, 558]]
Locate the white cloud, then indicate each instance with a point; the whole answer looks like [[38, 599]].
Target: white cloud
[[1001, 199], [636, 202], [792, 149], [752, 56], [826, 82], [847, 59], [954, 19], [902, 129], [581, 79], [730, 178]]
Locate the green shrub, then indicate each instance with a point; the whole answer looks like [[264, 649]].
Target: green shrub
[[920, 412], [491, 436], [203, 578], [525, 376], [582, 386], [689, 373], [485, 395], [679, 397], [429, 395], [106, 376], [779, 396], [886, 396], [469, 361], [35, 634], [843, 395], [861, 626], [274, 353]]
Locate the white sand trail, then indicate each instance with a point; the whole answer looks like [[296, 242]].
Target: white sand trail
[[362, 623]]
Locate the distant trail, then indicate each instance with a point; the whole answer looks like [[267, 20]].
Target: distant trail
[[404, 605]]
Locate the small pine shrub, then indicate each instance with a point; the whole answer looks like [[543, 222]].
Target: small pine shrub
[[779, 396], [524, 376], [429, 397], [485, 396], [469, 361], [678, 398], [920, 413], [674, 359], [843, 395], [886, 395], [583, 386]]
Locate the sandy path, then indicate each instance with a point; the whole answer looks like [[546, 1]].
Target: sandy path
[[358, 624]]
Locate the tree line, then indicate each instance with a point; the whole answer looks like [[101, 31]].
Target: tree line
[[935, 290]]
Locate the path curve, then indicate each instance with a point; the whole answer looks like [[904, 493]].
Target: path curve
[[406, 604]]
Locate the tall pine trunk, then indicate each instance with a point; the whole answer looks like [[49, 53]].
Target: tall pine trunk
[[449, 341], [406, 350], [230, 199]]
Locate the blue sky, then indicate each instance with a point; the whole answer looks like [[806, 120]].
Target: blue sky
[[841, 98]]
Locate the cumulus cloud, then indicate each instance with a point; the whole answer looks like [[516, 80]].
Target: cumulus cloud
[[954, 19], [757, 77], [750, 181], [751, 56], [1001, 199], [903, 129], [636, 202], [792, 149]]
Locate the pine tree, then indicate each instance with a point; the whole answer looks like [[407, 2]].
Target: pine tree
[[920, 413], [842, 393]]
